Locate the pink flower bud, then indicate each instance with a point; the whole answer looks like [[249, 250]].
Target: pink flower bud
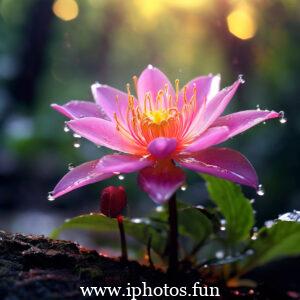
[[113, 201]]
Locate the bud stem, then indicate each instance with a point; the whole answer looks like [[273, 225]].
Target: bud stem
[[124, 256], [173, 236]]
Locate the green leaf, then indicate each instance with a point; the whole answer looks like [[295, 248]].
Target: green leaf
[[234, 206], [193, 223], [141, 231], [280, 240]]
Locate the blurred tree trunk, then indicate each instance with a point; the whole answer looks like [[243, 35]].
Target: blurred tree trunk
[[36, 33]]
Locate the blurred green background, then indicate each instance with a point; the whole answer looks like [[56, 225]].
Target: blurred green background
[[52, 51]]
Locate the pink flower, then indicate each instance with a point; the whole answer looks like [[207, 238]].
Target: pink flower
[[160, 131]]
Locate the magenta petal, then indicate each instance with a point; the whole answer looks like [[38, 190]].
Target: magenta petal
[[78, 177], [79, 109], [206, 87], [117, 163], [153, 80], [216, 106], [243, 120], [103, 133], [162, 147], [210, 137], [111, 100], [161, 181], [221, 162]]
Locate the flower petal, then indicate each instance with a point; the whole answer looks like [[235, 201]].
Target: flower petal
[[106, 97], [98, 170], [117, 163], [243, 120], [153, 80], [210, 137], [216, 106], [161, 181], [104, 133], [79, 109], [162, 147], [206, 87], [78, 177], [221, 162]]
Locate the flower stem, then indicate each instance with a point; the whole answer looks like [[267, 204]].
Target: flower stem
[[173, 236], [124, 256]]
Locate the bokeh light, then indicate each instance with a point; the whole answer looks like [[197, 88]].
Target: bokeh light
[[66, 10], [241, 23]]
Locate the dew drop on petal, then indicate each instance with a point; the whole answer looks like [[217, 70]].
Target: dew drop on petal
[[220, 254], [121, 177], [66, 128], [183, 187], [70, 166], [242, 81], [264, 123], [260, 191], [257, 107], [282, 118], [50, 197], [98, 146], [150, 67], [76, 145], [77, 136]]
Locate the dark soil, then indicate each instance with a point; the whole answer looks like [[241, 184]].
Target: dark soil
[[35, 267]]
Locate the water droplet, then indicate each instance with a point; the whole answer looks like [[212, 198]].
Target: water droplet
[[282, 118], [291, 216], [242, 81], [260, 191], [269, 223], [66, 128], [159, 208], [223, 221], [76, 145], [183, 187], [91, 214], [98, 146], [77, 136], [70, 166], [121, 177], [220, 254], [252, 201], [222, 228], [67, 220], [150, 67], [249, 252], [136, 221], [254, 237], [257, 107], [264, 123], [205, 266], [50, 197]]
